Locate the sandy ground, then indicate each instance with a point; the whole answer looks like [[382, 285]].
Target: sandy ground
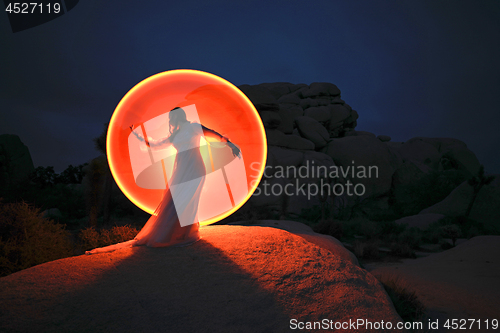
[[460, 283]]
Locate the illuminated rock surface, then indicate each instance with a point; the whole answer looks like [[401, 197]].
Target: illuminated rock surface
[[236, 279]]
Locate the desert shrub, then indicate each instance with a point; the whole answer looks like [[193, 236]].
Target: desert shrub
[[330, 227], [312, 214], [90, 238], [451, 231], [370, 229], [401, 249], [391, 227], [362, 227], [390, 230], [412, 237], [405, 300], [454, 227], [46, 176], [432, 235], [68, 198], [469, 227], [26, 239]]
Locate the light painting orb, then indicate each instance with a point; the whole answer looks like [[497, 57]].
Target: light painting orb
[[143, 174]]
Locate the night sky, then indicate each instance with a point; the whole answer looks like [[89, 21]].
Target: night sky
[[410, 68]]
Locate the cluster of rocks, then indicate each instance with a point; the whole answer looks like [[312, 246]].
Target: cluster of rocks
[[313, 114], [311, 126]]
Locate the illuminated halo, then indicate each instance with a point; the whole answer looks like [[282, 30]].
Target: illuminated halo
[[216, 104]]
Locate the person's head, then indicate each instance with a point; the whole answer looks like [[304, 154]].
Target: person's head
[[176, 117]]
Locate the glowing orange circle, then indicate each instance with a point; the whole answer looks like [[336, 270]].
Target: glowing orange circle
[[220, 105]]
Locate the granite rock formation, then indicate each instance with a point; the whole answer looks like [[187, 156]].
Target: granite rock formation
[[310, 119], [15, 159]]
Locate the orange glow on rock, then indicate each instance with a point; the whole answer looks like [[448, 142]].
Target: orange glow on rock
[[220, 106]]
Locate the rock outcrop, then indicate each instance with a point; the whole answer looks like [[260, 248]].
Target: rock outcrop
[[420, 221], [235, 279], [15, 159], [302, 118], [486, 207]]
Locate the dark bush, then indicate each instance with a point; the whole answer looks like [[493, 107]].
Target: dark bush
[[390, 230], [26, 239], [412, 237], [454, 227], [46, 189], [402, 250], [90, 238], [330, 227], [405, 300]]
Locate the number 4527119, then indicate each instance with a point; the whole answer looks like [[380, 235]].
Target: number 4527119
[[33, 8]]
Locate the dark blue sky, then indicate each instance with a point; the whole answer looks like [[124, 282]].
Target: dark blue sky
[[410, 68]]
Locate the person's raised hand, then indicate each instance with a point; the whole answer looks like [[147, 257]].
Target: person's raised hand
[[235, 150]]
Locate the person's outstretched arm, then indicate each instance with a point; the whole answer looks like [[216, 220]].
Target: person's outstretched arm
[[150, 142], [236, 151]]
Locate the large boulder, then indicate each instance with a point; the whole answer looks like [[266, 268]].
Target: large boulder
[[456, 155], [420, 221], [338, 112], [441, 154], [306, 103], [270, 119], [283, 157], [300, 229], [406, 178], [319, 113], [384, 138], [321, 89], [270, 191], [312, 130], [277, 89], [235, 279], [15, 159], [296, 142], [276, 138], [360, 133], [288, 115], [421, 151], [289, 99], [310, 181], [408, 173], [364, 160], [486, 208]]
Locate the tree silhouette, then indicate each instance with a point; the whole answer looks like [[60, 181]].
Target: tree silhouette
[[100, 182], [477, 182], [451, 231]]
